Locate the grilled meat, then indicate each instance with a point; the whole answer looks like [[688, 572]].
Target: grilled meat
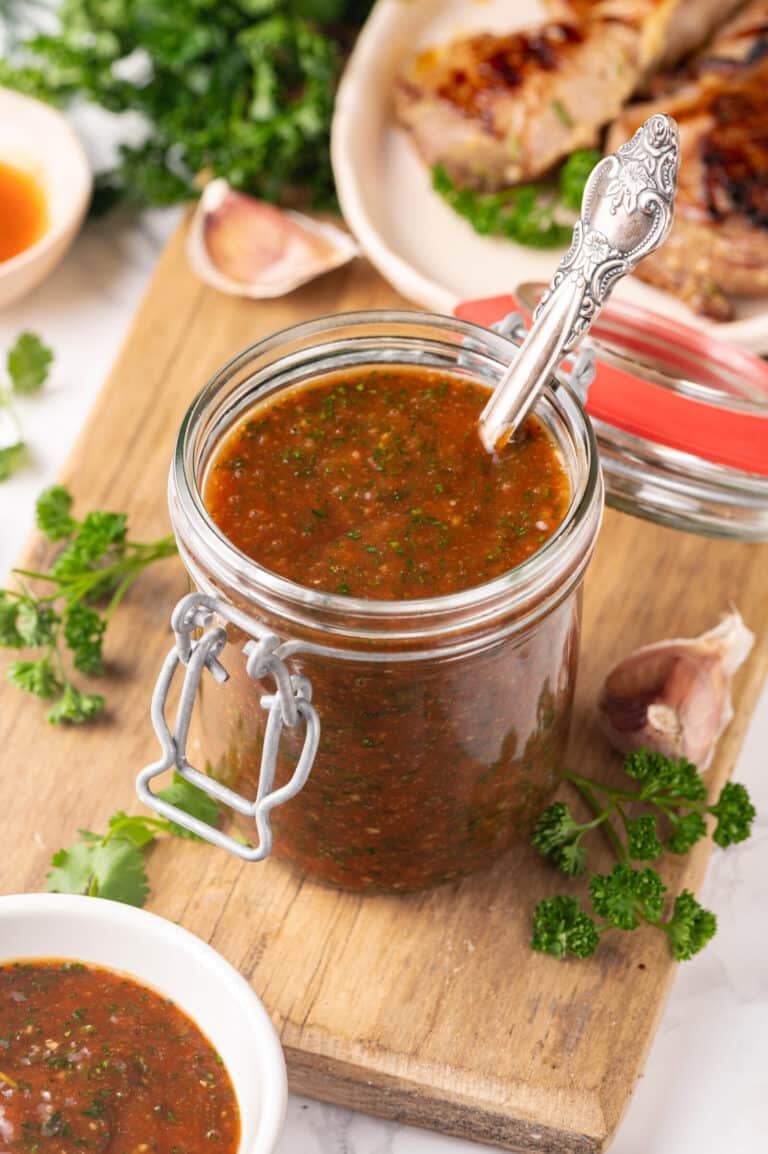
[[495, 110], [718, 246], [671, 31]]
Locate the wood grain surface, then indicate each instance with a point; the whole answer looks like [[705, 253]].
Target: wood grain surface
[[428, 1009]]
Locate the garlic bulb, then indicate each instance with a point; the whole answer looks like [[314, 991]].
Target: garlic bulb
[[674, 697], [247, 247]]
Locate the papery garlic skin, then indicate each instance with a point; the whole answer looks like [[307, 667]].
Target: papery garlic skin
[[674, 697], [247, 247]]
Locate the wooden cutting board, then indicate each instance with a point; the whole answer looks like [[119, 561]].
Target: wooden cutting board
[[429, 1009]]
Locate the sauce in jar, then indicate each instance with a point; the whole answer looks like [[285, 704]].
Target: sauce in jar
[[374, 484], [23, 211]]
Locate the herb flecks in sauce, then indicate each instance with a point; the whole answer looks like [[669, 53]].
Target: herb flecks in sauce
[[375, 484], [92, 1061]]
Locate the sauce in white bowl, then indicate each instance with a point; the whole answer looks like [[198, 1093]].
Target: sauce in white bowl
[[40, 149], [177, 965]]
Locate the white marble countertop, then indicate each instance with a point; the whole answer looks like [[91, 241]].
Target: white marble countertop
[[705, 1086]]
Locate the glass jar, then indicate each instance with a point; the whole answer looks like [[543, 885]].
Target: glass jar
[[442, 721]]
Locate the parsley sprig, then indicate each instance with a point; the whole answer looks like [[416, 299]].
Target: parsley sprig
[[675, 793], [27, 365], [66, 621], [242, 89], [538, 215], [113, 865]]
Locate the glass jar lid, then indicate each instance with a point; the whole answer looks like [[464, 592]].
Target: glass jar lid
[[681, 418]]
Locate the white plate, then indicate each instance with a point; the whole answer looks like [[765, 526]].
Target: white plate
[[413, 238]]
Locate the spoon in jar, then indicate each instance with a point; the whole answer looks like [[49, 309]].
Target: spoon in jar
[[626, 214]]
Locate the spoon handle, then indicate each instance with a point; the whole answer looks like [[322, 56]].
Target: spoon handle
[[626, 213]]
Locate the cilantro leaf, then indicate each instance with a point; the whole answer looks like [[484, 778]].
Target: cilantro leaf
[[72, 870], [28, 363], [53, 513], [9, 634], [135, 828], [36, 677], [191, 800], [106, 869], [96, 559], [75, 707], [119, 872], [12, 457], [84, 632], [35, 623]]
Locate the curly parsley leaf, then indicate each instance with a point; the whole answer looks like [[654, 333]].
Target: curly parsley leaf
[[561, 927], [675, 793], [690, 927], [626, 896], [28, 364], [642, 838], [735, 813], [665, 777]]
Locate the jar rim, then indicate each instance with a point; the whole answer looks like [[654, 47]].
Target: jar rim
[[204, 547]]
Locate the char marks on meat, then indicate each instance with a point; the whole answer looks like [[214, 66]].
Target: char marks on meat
[[718, 246], [494, 110]]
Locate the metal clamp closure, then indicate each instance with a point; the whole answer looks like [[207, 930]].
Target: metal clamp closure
[[288, 705]]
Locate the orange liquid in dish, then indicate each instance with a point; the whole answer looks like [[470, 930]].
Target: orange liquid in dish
[[23, 211]]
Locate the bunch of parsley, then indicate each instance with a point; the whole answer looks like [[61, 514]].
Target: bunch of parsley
[[65, 622], [673, 797], [242, 89]]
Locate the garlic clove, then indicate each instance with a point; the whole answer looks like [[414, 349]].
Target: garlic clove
[[674, 697], [247, 247]]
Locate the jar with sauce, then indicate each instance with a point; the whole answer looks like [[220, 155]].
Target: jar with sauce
[[441, 660]]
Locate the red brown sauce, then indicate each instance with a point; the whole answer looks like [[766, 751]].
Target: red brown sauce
[[375, 484], [93, 1061]]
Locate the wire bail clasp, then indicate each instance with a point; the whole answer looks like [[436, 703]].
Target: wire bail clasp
[[288, 705]]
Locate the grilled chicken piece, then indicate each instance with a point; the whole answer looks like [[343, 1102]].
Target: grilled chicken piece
[[495, 110], [718, 246], [672, 31]]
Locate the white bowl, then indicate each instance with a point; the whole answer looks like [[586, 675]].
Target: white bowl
[[37, 139], [176, 964]]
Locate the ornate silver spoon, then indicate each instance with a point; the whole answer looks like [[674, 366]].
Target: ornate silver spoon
[[626, 213]]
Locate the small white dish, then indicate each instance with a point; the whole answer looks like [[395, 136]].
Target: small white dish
[[419, 244], [36, 138], [178, 965]]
